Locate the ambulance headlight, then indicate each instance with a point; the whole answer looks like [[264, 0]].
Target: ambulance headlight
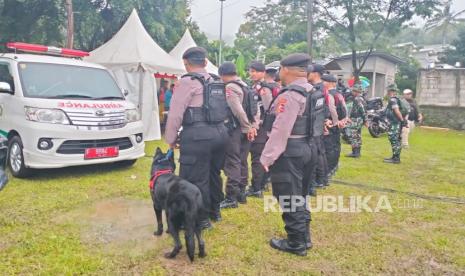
[[132, 115], [45, 115]]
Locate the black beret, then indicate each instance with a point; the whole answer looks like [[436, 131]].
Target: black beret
[[257, 66], [317, 68], [328, 78], [227, 69], [296, 60], [195, 53]]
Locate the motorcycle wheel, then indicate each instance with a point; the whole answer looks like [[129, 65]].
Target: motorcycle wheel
[[374, 130]]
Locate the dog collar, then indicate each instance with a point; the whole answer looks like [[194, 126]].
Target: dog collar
[[153, 179]]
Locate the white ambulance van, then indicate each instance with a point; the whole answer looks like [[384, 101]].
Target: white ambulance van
[[57, 111]]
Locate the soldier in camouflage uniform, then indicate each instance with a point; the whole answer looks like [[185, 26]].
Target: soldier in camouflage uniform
[[357, 118], [397, 121]]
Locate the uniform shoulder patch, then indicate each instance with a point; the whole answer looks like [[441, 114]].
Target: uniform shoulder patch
[[280, 107], [229, 92]]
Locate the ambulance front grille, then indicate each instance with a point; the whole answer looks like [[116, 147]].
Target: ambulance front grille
[[80, 146], [93, 119]]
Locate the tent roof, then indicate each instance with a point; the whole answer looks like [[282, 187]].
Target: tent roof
[[131, 47], [185, 43]]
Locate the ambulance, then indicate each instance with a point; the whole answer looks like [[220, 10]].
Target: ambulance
[[58, 111]]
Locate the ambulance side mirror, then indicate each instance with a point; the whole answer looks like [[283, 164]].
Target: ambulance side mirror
[[5, 87]]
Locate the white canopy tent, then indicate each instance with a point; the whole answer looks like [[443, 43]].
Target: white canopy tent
[[185, 43], [134, 57]]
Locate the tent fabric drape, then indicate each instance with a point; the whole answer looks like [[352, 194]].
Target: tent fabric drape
[[133, 58]]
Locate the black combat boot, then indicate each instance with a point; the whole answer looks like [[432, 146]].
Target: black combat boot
[[252, 193], [395, 159], [242, 198], [291, 245], [228, 203], [215, 215], [312, 191], [355, 153], [205, 224]]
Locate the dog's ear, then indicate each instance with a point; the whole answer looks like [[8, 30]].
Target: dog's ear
[[158, 151]]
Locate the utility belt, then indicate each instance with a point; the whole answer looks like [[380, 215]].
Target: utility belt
[[300, 126]]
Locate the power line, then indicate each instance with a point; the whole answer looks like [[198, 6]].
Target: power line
[[217, 10]]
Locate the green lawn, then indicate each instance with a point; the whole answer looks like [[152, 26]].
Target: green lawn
[[98, 220]]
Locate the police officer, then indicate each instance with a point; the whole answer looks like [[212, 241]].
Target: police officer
[[202, 141], [320, 175], [238, 147], [357, 118], [287, 153], [397, 121], [332, 141], [257, 74]]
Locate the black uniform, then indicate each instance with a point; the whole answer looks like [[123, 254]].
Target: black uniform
[[204, 135], [333, 140], [320, 174]]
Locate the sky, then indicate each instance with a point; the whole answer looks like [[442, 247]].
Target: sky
[[207, 15]]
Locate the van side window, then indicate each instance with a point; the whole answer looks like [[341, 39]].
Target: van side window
[[5, 75]]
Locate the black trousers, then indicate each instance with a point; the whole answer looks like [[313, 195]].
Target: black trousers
[[259, 176], [202, 154], [332, 144], [244, 155], [235, 166], [320, 174], [288, 177]]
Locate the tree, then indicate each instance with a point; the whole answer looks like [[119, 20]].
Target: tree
[[361, 24], [95, 21], [445, 19], [32, 21], [458, 54], [273, 26], [407, 74]]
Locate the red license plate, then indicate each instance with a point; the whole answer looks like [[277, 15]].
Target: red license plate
[[95, 153]]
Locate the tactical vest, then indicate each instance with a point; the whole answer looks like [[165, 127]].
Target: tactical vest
[[249, 101], [273, 86], [338, 101], [319, 111], [301, 125], [214, 109]]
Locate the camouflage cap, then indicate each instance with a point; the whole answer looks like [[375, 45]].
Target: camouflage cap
[[392, 87]]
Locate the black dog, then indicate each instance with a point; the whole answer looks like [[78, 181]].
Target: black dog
[[182, 202]]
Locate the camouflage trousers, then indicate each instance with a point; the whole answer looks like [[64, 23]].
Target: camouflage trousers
[[394, 134], [354, 130]]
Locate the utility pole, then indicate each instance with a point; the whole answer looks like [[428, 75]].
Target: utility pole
[[310, 7], [220, 59], [70, 29]]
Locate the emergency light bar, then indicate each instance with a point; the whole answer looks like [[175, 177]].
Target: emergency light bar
[[35, 48]]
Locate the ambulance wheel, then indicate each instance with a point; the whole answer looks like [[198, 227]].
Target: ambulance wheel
[[16, 158], [127, 163]]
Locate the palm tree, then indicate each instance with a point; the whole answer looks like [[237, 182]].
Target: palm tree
[[444, 19]]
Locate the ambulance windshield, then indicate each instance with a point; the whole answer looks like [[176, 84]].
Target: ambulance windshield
[[58, 81]]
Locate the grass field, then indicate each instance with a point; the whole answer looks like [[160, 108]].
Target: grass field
[[98, 220]]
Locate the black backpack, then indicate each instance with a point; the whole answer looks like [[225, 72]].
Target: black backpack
[[250, 101], [214, 98]]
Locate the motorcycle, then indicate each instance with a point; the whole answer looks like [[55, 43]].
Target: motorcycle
[[376, 118], [3, 156]]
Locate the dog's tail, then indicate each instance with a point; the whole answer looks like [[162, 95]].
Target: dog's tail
[[190, 242], [190, 222]]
